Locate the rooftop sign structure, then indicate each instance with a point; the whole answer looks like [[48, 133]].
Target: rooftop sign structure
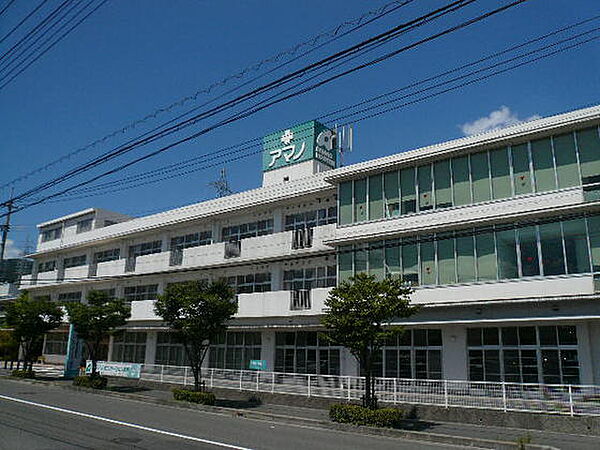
[[304, 142]]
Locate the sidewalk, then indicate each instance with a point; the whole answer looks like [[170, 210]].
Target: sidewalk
[[319, 417]]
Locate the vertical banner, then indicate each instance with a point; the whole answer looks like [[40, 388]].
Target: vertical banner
[[74, 354]]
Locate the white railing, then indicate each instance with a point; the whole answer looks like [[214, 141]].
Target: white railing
[[552, 399]]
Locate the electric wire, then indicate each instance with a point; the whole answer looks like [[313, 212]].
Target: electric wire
[[3, 10], [18, 25]]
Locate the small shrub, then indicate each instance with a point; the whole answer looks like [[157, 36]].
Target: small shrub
[[359, 415], [95, 382], [254, 400], [203, 398], [23, 373]]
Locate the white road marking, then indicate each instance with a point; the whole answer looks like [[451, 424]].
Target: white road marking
[[123, 424]]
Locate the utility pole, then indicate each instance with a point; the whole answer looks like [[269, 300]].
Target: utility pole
[[221, 185], [5, 228]]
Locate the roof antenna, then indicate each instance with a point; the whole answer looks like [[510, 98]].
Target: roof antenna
[[221, 185], [344, 140]]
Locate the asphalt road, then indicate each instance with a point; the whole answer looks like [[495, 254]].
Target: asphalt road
[[46, 417]]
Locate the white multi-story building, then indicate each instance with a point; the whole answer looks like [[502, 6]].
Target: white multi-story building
[[499, 233]]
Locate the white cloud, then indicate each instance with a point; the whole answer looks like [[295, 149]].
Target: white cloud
[[500, 118], [11, 250]]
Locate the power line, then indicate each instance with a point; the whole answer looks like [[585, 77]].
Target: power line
[[10, 2], [111, 185], [394, 32], [18, 25], [60, 38], [314, 42]]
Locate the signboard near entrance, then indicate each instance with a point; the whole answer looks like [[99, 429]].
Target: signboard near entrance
[[304, 142], [258, 364], [115, 369]]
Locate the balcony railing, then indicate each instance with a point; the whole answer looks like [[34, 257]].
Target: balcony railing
[[233, 249], [302, 238], [300, 300]]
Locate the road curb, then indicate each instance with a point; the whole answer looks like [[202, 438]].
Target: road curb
[[305, 421]]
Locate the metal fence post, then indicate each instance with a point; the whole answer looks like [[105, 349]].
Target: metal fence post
[[348, 388], [446, 394], [240, 380], [185, 376], [162, 373], [395, 391], [504, 403], [272, 382], [212, 375], [308, 384], [572, 410], [257, 380]]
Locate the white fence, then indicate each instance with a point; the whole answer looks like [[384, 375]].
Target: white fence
[[554, 399]]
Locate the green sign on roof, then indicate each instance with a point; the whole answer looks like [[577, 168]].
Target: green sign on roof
[[304, 142]]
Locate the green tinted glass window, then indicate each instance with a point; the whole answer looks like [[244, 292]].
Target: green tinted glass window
[[360, 259], [480, 177], [410, 265], [486, 256], [392, 258], [408, 191], [576, 246], [530, 262], [553, 259], [507, 254], [375, 197], [360, 200], [593, 224], [566, 161], [424, 179], [345, 203], [543, 165], [427, 250], [521, 169], [345, 262], [446, 261], [376, 260], [501, 186], [588, 143], [465, 263], [443, 190], [391, 190], [461, 181]]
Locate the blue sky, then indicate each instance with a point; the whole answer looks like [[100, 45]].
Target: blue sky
[[133, 56]]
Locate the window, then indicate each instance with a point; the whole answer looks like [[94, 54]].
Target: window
[[442, 183], [56, 344], [427, 256], [565, 155], [499, 165], [360, 200], [411, 354], [137, 293], [309, 278], [345, 257], [506, 245], [69, 297], [410, 262], [462, 181], [310, 219], [521, 169], [345, 202], [252, 282], [107, 255], [391, 191], [553, 258], [147, 248], [480, 177], [545, 354], [234, 350], [446, 261], [486, 255], [465, 253], [111, 293], [247, 230], [129, 347], [169, 351], [424, 184], [47, 266], [543, 165], [84, 225], [306, 352], [593, 225], [74, 261], [576, 248], [376, 265], [51, 235], [530, 263], [191, 240], [407, 188], [588, 143], [375, 197]]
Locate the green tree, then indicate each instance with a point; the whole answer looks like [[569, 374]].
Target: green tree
[[9, 348], [197, 311], [357, 316], [30, 320], [93, 321]]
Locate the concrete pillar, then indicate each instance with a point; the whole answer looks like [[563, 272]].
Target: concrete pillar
[[150, 357], [588, 372], [277, 220], [215, 228], [111, 343], [276, 277], [267, 350], [454, 353]]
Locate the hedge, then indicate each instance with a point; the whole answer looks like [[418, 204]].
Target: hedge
[[95, 382], [359, 415], [203, 398], [23, 373]]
